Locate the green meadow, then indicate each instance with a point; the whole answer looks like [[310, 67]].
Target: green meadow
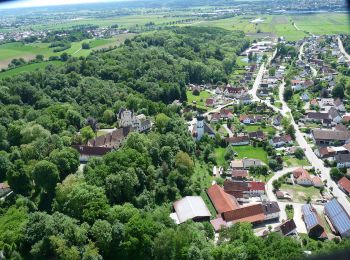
[[28, 68], [14, 50]]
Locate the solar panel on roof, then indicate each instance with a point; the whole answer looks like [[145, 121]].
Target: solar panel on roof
[[311, 220], [338, 216]]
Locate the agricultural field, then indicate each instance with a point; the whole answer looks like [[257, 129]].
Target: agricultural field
[[292, 27], [14, 50], [28, 68]]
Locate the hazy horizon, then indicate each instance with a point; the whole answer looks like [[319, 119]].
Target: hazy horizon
[[43, 3]]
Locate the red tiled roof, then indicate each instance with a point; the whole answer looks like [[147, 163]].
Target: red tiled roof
[[240, 174], [346, 118], [254, 185], [221, 200], [317, 181], [298, 172], [345, 184], [305, 175], [251, 213], [209, 101]]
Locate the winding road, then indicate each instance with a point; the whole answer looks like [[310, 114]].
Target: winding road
[[300, 139]]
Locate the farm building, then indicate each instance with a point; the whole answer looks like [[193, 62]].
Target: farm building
[[338, 217], [190, 207]]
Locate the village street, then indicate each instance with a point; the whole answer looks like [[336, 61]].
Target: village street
[[342, 50], [300, 57], [317, 163]]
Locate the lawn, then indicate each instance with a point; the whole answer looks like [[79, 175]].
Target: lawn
[[253, 128], [294, 162], [251, 152], [28, 68], [290, 211], [220, 156], [300, 193], [200, 100], [202, 174]]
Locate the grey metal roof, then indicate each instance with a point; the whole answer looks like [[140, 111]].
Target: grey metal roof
[[190, 207], [338, 216]]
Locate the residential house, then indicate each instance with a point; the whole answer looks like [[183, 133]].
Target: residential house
[[279, 141], [226, 113], [215, 117], [297, 84], [239, 174], [271, 210], [342, 160], [317, 182], [287, 228], [334, 115], [238, 140], [244, 189], [210, 102], [247, 163], [87, 152], [250, 119], [313, 222], [338, 217], [339, 105], [316, 117], [298, 172], [237, 165], [344, 185], [190, 208], [277, 120], [305, 97], [234, 92], [258, 135], [324, 137], [245, 100], [305, 179]]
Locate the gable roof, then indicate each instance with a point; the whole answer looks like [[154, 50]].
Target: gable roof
[[270, 207], [338, 216], [239, 174], [345, 184], [222, 201], [322, 134], [311, 218], [342, 158], [251, 213], [190, 207], [287, 227]]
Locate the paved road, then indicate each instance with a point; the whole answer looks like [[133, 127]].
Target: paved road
[[342, 50], [297, 206], [300, 57], [309, 153]]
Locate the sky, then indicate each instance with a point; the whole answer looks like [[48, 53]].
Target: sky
[[34, 3]]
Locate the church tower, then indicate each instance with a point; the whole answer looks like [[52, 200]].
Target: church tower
[[200, 127]]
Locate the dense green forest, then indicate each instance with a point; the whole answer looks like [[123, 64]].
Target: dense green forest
[[118, 207]]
